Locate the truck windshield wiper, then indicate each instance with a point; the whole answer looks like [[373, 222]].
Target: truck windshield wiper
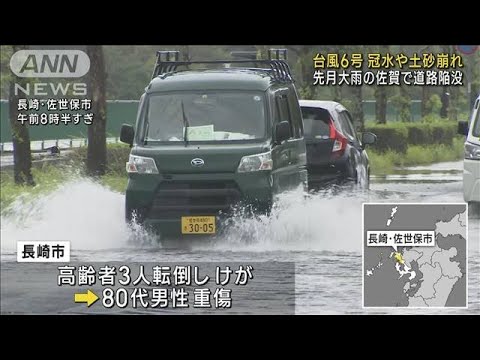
[[185, 126]]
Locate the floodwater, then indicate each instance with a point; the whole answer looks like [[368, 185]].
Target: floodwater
[[320, 234]]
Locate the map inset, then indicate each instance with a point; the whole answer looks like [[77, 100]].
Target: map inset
[[415, 255]]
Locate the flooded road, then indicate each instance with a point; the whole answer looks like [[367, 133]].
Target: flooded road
[[321, 234]]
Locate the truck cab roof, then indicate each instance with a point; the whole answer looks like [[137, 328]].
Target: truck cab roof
[[218, 79], [172, 74]]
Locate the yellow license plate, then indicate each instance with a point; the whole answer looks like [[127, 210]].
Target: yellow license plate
[[198, 225]]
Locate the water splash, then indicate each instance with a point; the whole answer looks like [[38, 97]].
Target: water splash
[[84, 212], [91, 217], [362, 176], [324, 221]]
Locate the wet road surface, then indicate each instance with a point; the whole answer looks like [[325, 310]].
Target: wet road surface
[[321, 235]]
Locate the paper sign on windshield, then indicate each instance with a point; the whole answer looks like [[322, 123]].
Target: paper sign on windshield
[[200, 133]]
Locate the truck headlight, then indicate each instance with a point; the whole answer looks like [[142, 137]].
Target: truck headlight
[[256, 162], [141, 165], [472, 151]]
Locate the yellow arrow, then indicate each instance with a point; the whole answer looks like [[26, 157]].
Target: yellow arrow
[[90, 298]]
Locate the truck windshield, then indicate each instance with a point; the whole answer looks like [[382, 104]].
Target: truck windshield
[[205, 116]]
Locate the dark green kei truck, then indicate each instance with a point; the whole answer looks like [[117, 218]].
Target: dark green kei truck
[[213, 136]]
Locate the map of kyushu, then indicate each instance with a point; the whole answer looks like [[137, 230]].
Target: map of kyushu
[[415, 255]]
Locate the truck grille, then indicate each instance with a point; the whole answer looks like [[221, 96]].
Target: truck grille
[[175, 198]]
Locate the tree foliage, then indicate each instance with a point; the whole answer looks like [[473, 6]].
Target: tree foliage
[[129, 69]]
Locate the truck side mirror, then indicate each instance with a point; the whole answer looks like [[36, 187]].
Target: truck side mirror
[[282, 132], [126, 134], [462, 128]]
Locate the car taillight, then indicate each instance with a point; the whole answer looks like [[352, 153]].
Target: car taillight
[[339, 143]]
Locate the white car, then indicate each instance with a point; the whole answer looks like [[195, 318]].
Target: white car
[[471, 164]]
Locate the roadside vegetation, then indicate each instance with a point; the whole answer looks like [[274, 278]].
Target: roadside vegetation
[[402, 144], [382, 163]]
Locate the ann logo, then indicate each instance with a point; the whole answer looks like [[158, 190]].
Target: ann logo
[[50, 63], [56, 65]]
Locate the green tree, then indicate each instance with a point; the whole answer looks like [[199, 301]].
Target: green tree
[[381, 95], [22, 157], [303, 66], [130, 67], [97, 143], [405, 104], [426, 97], [357, 95], [357, 108]]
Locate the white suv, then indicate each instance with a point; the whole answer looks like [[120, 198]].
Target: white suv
[[471, 164]]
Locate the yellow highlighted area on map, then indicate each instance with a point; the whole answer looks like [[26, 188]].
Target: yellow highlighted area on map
[[398, 256]]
